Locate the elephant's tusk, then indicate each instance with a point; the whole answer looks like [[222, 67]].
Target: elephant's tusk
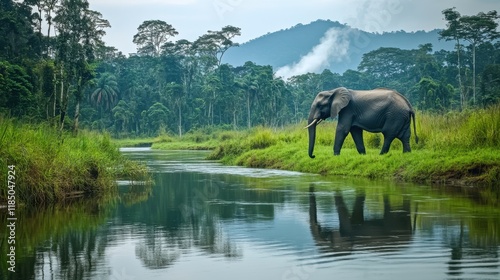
[[311, 124], [320, 120]]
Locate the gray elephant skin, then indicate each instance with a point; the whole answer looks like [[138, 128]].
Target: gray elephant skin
[[378, 110]]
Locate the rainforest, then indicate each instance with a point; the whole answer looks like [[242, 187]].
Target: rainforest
[[67, 100], [186, 159]]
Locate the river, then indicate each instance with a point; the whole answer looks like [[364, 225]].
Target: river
[[203, 220]]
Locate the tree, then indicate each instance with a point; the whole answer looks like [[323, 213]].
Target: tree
[[257, 81], [156, 117], [432, 95], [490, 85], [15, 90], [152, 35], [216, 43], [80, 32], [211, 87], [425, 63], [106, 91], [329, 80], [356, 79], [175, 92], [453, 32], [16, 31], [388, 64], [49, 7], [47, 86], [186, 53], [476, 30], [122, 115]]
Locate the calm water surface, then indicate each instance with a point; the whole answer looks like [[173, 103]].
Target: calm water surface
[[202, 220]]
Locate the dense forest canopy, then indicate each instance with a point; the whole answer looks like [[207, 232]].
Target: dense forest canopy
[[73, 80]]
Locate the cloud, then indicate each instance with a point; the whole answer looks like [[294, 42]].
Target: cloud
[[375, 16], [333, 46]]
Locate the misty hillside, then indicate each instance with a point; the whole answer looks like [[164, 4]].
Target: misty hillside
[[287, 47]]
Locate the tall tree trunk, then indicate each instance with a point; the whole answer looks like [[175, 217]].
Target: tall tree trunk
[[49, 23], [77, 116], [64, 107], [214, 99], [62, 103], [249, 121], [180, 120], [461, 88], [210, 120], [54, 95], [474, 74], [234, 119]]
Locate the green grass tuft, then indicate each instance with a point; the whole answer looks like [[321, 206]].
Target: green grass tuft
[[52, 166]]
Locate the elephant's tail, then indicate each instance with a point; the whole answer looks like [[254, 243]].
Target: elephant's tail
[[412, 113]]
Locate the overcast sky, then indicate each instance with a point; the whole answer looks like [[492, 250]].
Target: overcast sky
[[193, 18]]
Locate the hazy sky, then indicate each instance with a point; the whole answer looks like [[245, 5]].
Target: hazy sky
[[192, 18]]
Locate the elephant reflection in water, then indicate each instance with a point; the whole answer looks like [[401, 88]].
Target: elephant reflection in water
[[354, 230]]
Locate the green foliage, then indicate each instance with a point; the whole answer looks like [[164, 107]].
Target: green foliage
[[155, 117], [15, 90], [179, 86], [152, 35], [106, 91], [490, 84], [17, 36]]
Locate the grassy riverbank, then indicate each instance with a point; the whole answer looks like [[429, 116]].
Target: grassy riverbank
[[455, 148], [50, 166]]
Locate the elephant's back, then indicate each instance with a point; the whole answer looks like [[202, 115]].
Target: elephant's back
[[374, 109]]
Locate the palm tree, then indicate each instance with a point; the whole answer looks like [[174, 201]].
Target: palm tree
[[106, 92]]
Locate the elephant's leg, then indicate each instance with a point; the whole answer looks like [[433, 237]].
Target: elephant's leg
[[406, 145], [387, 144], [357, 136], [344, 219], [340, 135], [405, 138], [313, 214], [358, 217]]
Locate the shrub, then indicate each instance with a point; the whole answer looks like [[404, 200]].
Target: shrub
[[261, 139]]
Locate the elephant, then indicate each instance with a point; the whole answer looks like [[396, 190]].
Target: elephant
[[393, 230], [378, 110]]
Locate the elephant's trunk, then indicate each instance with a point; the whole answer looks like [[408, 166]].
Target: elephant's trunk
[[312, 135]]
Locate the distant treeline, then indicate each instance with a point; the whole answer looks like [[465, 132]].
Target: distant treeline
[[73, 80]]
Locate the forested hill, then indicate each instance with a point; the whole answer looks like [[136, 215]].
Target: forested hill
[[286, 47]]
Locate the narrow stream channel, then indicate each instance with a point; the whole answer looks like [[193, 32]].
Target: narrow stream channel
[[203, 220]]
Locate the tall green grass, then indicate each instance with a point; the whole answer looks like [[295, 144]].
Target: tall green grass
[[466, 130], [459, 148], [51, 166]]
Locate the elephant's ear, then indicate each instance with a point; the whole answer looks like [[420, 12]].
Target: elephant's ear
[[341, 98]]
